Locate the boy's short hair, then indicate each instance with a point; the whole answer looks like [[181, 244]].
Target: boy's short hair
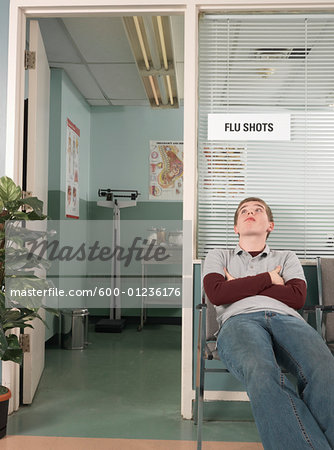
[[254, 199]]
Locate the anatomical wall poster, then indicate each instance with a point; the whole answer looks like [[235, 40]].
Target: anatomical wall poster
[[166, 170], [72, 170]]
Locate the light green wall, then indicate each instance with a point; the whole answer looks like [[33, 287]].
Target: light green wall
[[55, 138], [120, 138], [67, 102], [77, 110], [114, 152]]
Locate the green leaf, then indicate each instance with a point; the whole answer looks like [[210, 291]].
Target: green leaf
[[14, 351], [9, 192], [12, 314], [20, 215], [34, 203], [4, 217], [3, 343], [3, 390], [25, 292], [32, 215], [18, 324]]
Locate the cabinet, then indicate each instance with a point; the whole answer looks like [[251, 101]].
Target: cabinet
[[168, 293]]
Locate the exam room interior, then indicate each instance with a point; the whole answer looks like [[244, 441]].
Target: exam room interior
[[94, 80], [114, 152]]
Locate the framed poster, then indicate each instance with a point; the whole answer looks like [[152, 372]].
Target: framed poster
[[72, 170], [166, 170]]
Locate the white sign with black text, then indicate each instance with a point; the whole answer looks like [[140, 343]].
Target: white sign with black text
[[249, 127]]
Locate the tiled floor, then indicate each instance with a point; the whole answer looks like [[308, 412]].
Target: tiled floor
[[124, 389]]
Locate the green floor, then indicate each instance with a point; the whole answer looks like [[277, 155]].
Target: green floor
[[124, 385]]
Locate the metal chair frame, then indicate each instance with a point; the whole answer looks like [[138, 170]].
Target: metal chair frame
[[320, 308]]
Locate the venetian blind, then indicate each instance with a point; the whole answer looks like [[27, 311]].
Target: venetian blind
[[268, 64]]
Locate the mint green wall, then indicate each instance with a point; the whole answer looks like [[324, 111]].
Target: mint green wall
[[114, 152], [4, 14], [77, 110], [55, 137], [67, 102], [120, 138]]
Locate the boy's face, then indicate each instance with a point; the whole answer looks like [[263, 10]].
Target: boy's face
[[253, 220]]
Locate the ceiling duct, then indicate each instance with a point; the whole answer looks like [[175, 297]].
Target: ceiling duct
[[272, 53], [299, 53], [281, 53], [150, 39]]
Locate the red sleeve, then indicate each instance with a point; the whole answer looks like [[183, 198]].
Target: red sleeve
[[222, 292], [293, 293]]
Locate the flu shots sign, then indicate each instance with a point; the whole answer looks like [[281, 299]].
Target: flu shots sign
[[249, 127]]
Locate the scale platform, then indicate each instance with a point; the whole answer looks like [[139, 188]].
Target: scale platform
[[110, 325]]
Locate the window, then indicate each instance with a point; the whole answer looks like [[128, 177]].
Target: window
[[268, 64]]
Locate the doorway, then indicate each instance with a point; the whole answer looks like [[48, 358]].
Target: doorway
[[67, 81]]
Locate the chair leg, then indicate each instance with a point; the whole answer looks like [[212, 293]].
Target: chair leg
[[200, 376], [195, 407], [200, 416], [200, 401], [318, 319]]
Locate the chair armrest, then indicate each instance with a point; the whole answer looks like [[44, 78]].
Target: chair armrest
[[319, 310], [201, 306], [314, 308], [209, 354]]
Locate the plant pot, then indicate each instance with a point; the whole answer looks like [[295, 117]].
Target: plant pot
[[5, 395]]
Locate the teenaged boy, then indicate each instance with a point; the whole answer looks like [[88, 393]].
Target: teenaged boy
[[257, 291]]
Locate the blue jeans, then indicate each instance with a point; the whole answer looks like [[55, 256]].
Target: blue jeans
[[254, 347]]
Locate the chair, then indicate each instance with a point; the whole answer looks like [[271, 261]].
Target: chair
[[206, 350], [208, 326], [324, 321]]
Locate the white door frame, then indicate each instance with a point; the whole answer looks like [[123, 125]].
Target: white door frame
[[21, 9]]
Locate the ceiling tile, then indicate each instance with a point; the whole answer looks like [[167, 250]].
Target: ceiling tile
[[94, 102], [82, 79], [100, 39], [57, 45], [119, 81], [123, 102]]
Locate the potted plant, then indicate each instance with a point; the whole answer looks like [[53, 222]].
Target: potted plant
[[13, 253]]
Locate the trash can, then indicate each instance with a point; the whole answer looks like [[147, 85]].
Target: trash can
[[74, 328]]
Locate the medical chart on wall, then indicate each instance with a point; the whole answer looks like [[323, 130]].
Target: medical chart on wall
[[72, 170], [166, 170]]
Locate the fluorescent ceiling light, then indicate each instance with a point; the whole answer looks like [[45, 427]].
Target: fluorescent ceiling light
[[150, 39]]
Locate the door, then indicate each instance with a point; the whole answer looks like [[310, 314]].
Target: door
[[37, 183]]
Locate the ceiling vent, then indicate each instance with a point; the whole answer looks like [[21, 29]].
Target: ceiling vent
[[272, 53], [281, 53], [299, 53]]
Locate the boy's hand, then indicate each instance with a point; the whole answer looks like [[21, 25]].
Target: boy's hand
[[275, 277], [228, 276]]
